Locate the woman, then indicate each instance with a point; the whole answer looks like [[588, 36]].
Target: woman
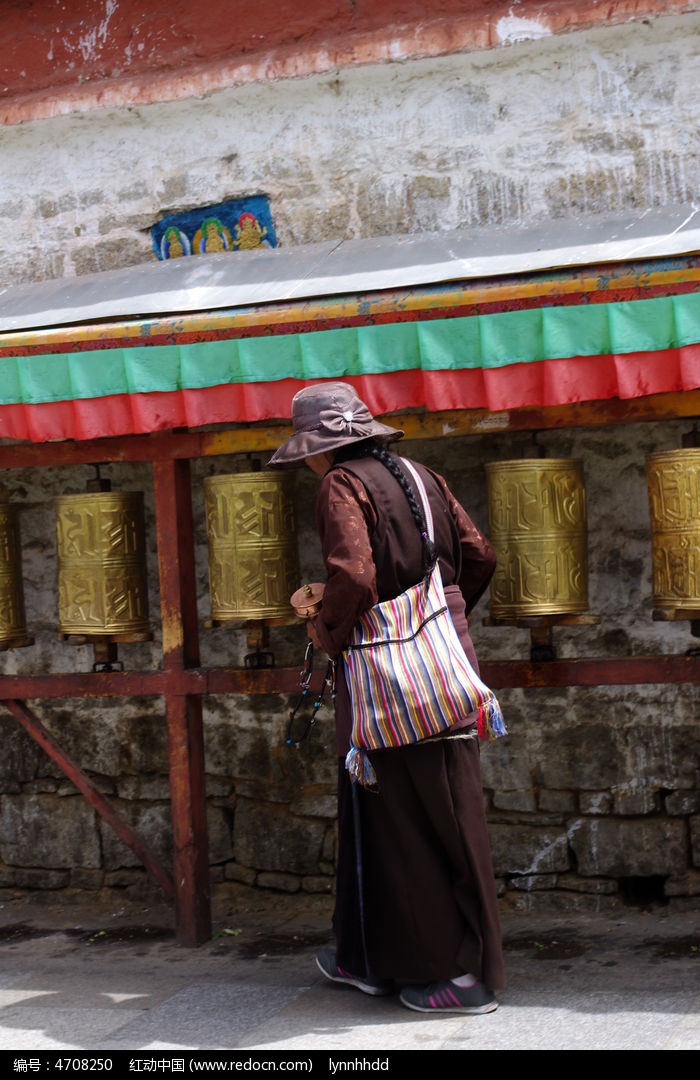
[[416, 905]]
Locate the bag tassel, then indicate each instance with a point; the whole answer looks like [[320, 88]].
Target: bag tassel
[[360, 767], [490, 724]]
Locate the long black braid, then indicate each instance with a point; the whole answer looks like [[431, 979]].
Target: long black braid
[[376, 449]]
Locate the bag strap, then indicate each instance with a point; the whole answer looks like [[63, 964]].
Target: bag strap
[[427, 514]]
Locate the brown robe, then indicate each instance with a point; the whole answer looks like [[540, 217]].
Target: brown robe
[[415, 892]]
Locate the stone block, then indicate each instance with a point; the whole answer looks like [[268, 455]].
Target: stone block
[[589, 885], [428, 187], [280, 882], [244, 874], [317, 884], [48, 832], [134, 788], [136, 886], [663, 756], [330, 845], [595, 802], [556, 902], [523, 801], [521, 849], [316, 806], [682, 802], [530, 882], [687, 884], [220, 832], [694, 827], [273, 840], [251, 748], [95, 745], [111, 254], [563, 802], [635, 801], [87, 879], [124, 879], [34, 878], [580, 756], [219, 787], [21, 758], [235, 741], [611, 847], [506, 764], [144, 749]]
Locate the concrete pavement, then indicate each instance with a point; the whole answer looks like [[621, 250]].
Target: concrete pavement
[[93, 980]]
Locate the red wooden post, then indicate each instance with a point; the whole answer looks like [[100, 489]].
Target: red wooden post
[[175, 532]]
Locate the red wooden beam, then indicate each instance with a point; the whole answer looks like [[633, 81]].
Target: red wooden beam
[[196, 682], [601, 671]]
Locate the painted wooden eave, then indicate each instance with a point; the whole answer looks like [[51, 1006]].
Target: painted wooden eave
[[278, 285], [429, 322]]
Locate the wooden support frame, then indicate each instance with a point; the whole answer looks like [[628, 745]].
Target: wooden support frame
[[182, 683], [176, 570]]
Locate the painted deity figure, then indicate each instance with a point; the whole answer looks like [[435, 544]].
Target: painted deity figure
[[174, 244], [249, 232], [213, 236]]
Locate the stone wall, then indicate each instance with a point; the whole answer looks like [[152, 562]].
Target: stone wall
[[592, 798]]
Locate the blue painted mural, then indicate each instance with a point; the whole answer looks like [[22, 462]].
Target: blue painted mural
[[235, 225]]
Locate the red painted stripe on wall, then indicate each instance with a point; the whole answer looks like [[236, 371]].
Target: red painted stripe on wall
[[175, 52]]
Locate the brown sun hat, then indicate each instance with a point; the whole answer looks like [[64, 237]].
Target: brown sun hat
[[325, 417]]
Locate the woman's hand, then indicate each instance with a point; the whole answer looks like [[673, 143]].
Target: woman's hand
[[311, 633]]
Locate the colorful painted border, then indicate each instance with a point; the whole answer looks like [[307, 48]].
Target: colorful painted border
[[498, 357]]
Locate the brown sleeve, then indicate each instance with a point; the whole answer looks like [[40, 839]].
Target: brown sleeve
[[344, 519], [478, 555]]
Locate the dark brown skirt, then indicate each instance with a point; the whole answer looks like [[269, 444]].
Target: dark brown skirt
[[427, 909]]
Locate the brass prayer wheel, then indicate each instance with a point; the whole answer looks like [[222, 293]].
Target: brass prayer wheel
[[102, 581], [538, 527], [13, 631], [307, 600], [253, 560], [673, 482]]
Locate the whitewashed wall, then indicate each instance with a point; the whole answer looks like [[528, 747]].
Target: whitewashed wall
[[553, 128]]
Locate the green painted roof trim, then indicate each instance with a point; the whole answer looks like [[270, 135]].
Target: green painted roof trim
[[479, 341]]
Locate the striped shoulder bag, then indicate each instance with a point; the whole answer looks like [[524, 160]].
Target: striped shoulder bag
[[407, 673]]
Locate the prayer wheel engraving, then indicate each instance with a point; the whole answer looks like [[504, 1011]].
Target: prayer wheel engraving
[[102, 582], [673, 483], [13, 631], [538, 527], [253, 560]]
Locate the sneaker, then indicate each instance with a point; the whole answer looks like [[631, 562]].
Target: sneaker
[[368, 984], [445, 997]]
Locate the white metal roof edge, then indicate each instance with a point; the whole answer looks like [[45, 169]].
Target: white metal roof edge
[[237, 280]]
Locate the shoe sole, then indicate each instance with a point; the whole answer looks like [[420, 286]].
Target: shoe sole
[[464, 1010], [347, 980]]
